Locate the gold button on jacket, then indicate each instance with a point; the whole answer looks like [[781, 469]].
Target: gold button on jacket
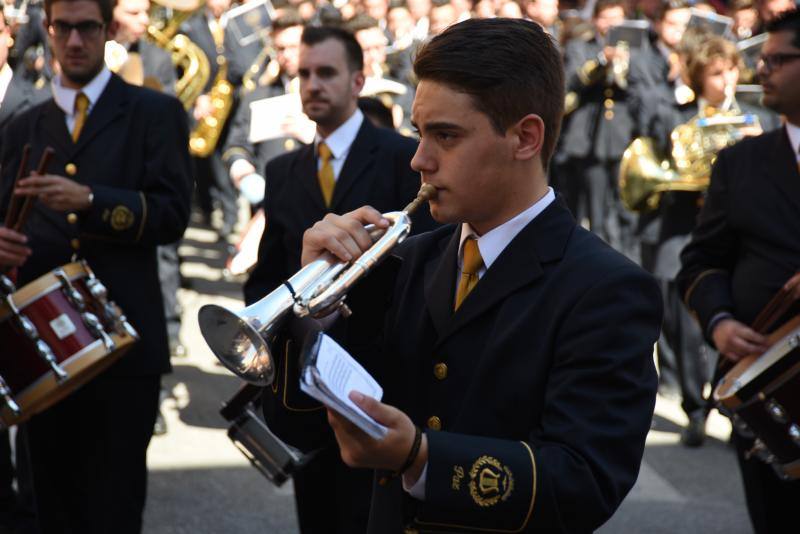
[[434, 423], [440, 371], [71, 169], [72, 218], [75, 244]]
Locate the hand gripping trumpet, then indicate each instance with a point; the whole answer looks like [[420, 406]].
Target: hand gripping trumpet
[[241, 340]]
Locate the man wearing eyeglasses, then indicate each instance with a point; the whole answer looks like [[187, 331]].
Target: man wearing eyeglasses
[[119, 185], [746, 247]]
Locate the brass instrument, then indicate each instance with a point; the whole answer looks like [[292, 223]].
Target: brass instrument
[[271, 70], [188, 58], [242, 340], [205, 135], [643, 176]]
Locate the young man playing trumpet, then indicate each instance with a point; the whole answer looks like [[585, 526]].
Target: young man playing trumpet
[[520, 342]]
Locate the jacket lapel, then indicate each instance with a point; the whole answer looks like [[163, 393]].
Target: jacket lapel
[[54, 129], [112, 103], [360, 157], [305, 169], [542, 241], [781, 167], [440, 282]]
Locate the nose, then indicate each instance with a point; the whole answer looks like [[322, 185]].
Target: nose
[[74, 38], [422, 161]]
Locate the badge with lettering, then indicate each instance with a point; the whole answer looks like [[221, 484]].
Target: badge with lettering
[[121, 218], [490, 481], [458, 475]]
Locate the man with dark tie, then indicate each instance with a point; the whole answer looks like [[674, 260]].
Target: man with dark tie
[[350, 163]]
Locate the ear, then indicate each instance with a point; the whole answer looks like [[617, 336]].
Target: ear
[[358, 82], [113, 28], [529, 137]]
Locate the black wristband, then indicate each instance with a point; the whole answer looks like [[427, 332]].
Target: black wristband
[[412, 454]]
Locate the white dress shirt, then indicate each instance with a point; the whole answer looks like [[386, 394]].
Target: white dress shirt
[[491, 245], [340, 142], [5, 80], [65, 97], [793, 131]]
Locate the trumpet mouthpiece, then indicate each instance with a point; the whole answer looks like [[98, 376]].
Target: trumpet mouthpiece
[[426, 192]]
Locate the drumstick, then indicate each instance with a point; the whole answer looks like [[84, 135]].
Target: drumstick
[[29, 200], [14, 203]]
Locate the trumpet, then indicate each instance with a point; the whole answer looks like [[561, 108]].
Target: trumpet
[[242, 340]]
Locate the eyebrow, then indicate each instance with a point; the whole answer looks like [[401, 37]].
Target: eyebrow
[[439, 125]]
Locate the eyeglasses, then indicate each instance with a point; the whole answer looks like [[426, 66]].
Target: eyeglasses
[[772, 62], [87, 29]]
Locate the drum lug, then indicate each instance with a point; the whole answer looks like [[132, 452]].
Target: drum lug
[[794, 433], [760, 451], [73, 295], [111, 311], [794, 341], [95, 326], [776, 411], [741, 427], [5, 392], [27, 327], [6, 285], [46, 353]]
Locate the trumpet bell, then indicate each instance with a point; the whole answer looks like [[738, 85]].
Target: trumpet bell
[[237, 344]]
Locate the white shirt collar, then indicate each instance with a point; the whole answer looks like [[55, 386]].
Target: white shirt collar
[[65, 97], [492, 243], [793, 131], [340, 140], [5, 80]]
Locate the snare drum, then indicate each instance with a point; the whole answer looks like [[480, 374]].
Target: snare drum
[[56, 333], [761, 395]]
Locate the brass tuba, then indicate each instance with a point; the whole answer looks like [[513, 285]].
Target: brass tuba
[[166, 17], [241, 340], [643, 176]]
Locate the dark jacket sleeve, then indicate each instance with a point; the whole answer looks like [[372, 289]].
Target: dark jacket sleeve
[[583, 456], [708, 259], [158, 212]]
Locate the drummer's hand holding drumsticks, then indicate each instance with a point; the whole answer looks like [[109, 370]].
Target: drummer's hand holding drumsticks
[[13, 249], [793, 286], [56, 192], [735, 340]]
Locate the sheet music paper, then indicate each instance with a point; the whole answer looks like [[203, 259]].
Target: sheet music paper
[[269, 118], [332, 375]]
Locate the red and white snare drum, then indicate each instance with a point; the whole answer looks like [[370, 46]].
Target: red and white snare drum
[[761, 395], [56, 333]]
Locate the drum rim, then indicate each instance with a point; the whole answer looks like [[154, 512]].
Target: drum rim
[[33, 399], [777, 351], [33, 291]]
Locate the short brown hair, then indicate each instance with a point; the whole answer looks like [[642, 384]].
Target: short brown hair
[[710, 50], [602, 5], [510, 68], [106, 8]]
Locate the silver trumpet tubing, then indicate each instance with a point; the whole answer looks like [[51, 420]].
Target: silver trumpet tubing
[[241, 340]]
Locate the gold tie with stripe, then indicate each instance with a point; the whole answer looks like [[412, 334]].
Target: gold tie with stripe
[[325, 173], [81, 107], [470, 265]]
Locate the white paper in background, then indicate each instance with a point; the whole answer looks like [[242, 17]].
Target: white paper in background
[[343, 374], [269, 118]]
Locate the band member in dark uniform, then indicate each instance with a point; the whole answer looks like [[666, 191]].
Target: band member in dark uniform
[[118, 186], [519, 341], [712, 72], [350, 163], [16, 95], [600, 128], [133, 17], [246, 160], [746, 247]]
